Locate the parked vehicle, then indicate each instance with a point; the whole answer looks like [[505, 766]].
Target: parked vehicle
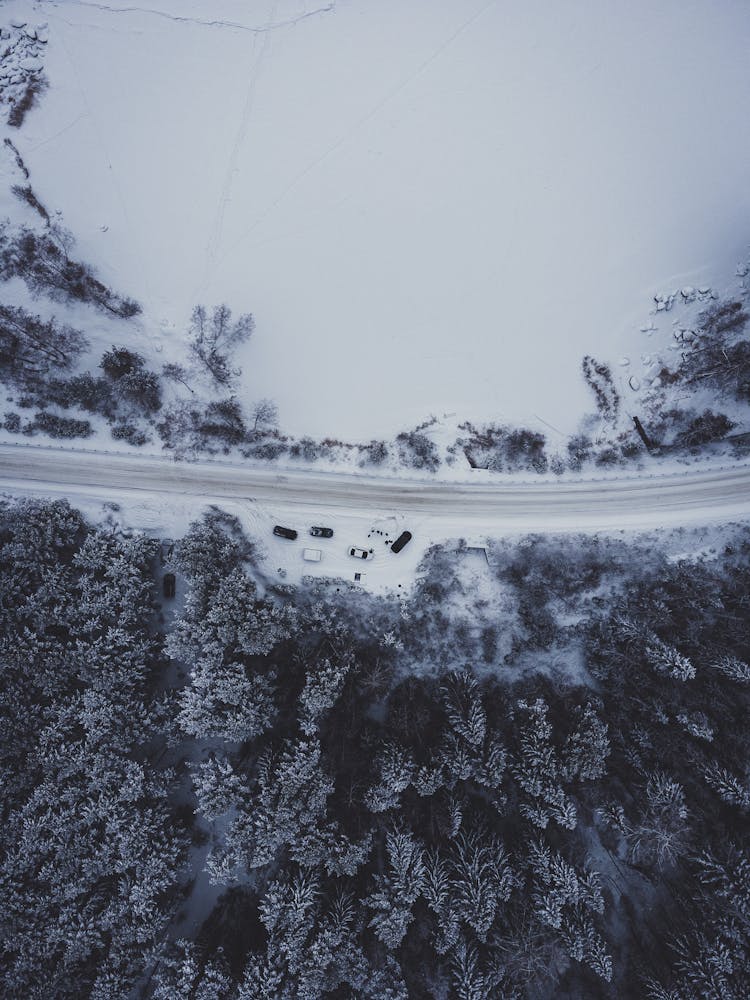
[[403, 539], [289, 533], [359, 553], [321, 532], [169, 585], [312, 555]]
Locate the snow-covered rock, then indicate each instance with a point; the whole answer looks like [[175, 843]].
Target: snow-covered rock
[[17, 22], [634, 383], [31, 64], [664, 302]]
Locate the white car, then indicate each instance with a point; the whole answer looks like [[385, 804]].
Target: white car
[[358, 553]]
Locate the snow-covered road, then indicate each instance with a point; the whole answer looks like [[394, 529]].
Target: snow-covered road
[[695, 496]]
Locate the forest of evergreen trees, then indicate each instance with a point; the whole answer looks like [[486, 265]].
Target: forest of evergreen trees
[[390, 807]]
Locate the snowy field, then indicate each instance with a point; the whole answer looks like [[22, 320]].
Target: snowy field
[[431, 206]]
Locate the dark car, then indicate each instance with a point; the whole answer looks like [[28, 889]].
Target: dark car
[[403, 539], [289, 533], [321, 532], [169, 585]]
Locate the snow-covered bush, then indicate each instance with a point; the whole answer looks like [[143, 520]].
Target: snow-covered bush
[[504, 449], [59, 427], [418, 451]]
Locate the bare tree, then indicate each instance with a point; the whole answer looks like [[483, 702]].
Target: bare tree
[[214, 337], [176, 373], [31, 348], [264, 414]]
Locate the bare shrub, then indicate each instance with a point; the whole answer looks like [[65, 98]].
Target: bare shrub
[[224, 420], [34, 88], [598, 377], [43, 261], [214, 337], [721, 357], [27, 194], [177, 373], [504, 448], [31, 348]]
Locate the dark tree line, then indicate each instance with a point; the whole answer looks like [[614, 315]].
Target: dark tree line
[[457, 831], [442, 835], [91, 851]]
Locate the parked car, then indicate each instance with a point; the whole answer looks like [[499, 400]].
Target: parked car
[[312, 555], [289, 533], [358, 553], [169, 585], [403, 539], [322, 532]]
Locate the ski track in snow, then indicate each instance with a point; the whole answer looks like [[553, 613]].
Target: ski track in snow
[[214, 241], [89, 113], [359, 124], [180, 19]]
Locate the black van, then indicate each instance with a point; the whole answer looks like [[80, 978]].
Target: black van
[[403, 539]]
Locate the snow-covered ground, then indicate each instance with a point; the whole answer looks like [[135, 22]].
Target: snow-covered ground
[[431, 206]]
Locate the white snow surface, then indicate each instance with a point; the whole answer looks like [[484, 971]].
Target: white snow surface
[[429, 205]]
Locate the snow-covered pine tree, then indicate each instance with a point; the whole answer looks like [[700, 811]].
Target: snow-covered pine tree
[[586, 748], [666, 659], [537, 770], [324, 682], [227, 701], [734, 668], [218, 787], [480, 879], [398, 888], [463, 706], [291, 798], [396, 769]]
